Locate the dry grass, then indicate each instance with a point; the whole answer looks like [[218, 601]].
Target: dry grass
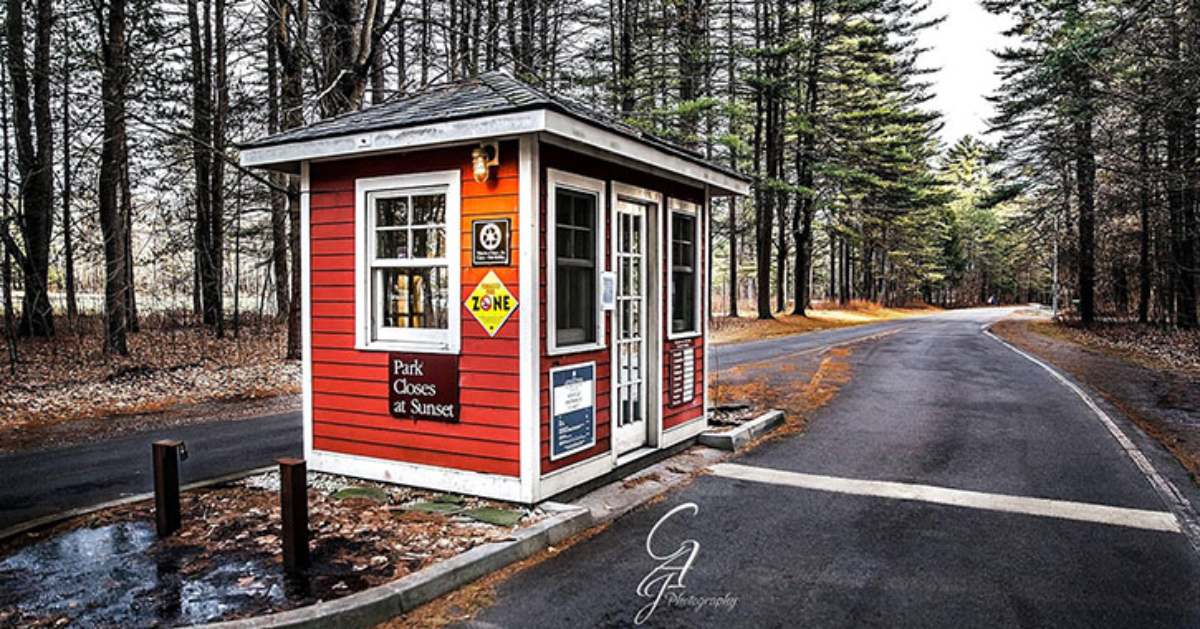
[[823, 316]]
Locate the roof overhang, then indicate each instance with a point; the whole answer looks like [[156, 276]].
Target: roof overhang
[[288, 156]]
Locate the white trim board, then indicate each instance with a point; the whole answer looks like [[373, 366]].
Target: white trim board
[[534, 121], [306, 354], [529, 175]]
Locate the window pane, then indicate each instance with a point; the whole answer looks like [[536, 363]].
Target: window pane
[[575, 267], [683, 273], [390, 212], [429, 209], [428, 243], [391, 243], [414, 297], [683, 302], [584, 241], [564, 243]]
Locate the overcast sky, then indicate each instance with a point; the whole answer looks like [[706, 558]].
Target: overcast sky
[[961, 46]]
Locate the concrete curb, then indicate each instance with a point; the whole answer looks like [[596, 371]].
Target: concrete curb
[[373, 606], [733, 440], [55, 518]]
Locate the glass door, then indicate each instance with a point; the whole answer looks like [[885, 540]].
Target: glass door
[[629, 370]]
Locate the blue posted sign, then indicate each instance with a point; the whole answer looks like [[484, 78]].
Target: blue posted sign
[[572, 409]]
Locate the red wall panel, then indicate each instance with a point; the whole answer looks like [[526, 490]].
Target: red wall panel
[[350, 397]]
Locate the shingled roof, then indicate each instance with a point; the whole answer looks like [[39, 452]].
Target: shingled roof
[[487, 94]]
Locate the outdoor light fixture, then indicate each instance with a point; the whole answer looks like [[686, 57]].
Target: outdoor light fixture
[[483, 158]]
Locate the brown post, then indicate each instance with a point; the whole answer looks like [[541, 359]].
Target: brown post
[[166, 486], [293, 512]]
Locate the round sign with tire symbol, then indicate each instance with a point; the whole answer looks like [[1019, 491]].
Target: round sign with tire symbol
[[489, 236]]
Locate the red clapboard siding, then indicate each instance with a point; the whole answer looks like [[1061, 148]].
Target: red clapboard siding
[[564, 159], [475, 430], [350, 396], [469, 462]]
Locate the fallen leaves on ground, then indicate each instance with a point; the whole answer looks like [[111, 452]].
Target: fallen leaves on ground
[[171, 362], [1155, 346]]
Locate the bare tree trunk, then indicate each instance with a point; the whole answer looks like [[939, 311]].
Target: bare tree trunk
[[1085, 180], [493, 35], [279, 239], [68, 242], [219, 81], [401, 55], [378, 87], [10, 328], [131, 315], [33, 160], [1144, 261], [112, 223], [802, 220], [731, 78], [292, 103], [423, 51], [202, 163]]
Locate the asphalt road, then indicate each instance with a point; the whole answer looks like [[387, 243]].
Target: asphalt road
[[50, 481], [911, 501]]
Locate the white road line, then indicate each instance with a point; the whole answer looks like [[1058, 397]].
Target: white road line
[[1062, 509], [1189, 522]]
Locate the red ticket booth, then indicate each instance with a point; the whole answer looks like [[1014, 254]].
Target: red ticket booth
[[504, 291]]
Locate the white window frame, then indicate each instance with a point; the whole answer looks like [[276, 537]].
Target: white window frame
[[679, 206], [447, 341], [556, 179]]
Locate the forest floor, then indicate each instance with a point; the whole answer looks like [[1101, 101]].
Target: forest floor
[[1151, 374], [66, 389], [822, 316]]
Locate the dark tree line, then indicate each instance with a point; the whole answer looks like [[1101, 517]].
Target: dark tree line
[[1098, 119], [122, 118]]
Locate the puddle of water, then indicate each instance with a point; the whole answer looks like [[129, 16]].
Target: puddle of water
[[112, 575]]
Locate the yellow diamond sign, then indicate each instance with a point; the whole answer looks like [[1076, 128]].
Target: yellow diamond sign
[[491, 303]]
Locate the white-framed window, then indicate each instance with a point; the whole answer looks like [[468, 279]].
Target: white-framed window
[[407, 262], [575, 262], [683, 260]]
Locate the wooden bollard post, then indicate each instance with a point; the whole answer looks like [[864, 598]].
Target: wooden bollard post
[[293, 511], [166, 486]]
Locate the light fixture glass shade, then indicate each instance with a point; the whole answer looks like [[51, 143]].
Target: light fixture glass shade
[[479, 164]]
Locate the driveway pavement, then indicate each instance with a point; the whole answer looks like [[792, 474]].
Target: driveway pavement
[[49, 481], [951, 483]]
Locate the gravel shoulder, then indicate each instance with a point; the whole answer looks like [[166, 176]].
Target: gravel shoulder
[[1159, 394]]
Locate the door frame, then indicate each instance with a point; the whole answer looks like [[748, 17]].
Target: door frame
[[652, 258]]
